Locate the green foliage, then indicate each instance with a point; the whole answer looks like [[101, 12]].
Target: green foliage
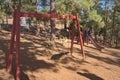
[[28, 8], [67, 7], [97, 18], [87, 4], [2, 14], [2, 10]]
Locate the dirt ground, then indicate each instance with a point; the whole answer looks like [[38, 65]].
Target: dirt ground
[[37, 65]]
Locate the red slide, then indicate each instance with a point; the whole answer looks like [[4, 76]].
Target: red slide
[[95, 43]]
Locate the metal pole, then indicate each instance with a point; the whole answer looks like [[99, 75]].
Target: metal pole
[[18, 44], [10, 54], [72, 40], [80, 36]]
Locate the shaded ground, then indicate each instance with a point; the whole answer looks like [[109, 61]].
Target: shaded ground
[[36, 63]]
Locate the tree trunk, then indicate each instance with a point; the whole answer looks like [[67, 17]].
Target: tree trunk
[[38, 29], [45, 22], [117, 36], [0, 24], [6, 9], [37, 21], [37, 6], [52, 22], [105, 28], [65, 24], [113, 28]]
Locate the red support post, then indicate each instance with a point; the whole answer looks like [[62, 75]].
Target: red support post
[[10, 54], [18, 44], [72, 40], [80, 36], [15, 31]]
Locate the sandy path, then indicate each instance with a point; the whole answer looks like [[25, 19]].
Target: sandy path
[[36, 63]]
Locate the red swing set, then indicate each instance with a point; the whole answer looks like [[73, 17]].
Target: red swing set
[[15, 35]]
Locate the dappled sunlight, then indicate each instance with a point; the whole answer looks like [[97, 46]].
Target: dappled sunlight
[[36, 60]]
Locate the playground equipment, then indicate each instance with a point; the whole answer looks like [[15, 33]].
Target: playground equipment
[[87, 37], [15, 35], [94, 42]]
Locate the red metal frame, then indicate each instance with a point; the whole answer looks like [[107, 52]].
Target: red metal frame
[[47, 15], [72, 40], [15, 34], [80, 35]]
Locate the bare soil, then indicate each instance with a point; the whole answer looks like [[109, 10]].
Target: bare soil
[[37, 65]]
